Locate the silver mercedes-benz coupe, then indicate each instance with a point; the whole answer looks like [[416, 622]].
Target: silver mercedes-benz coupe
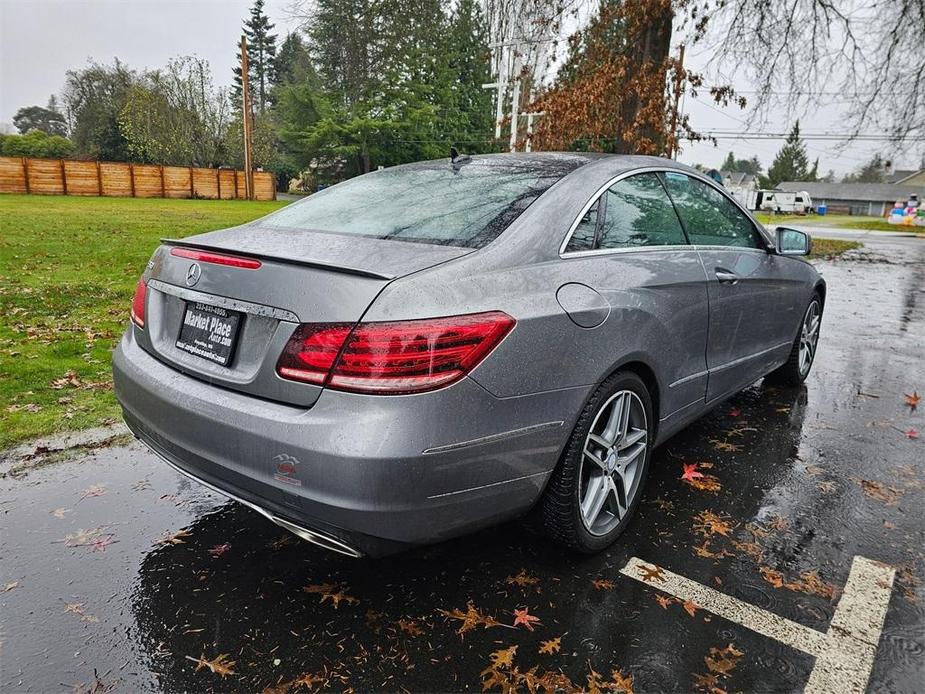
[[433, 348]]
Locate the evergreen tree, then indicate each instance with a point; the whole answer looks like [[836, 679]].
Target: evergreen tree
[[791, 162], [293, 63], [747, 166], [261, 52], [47, 120], [871, 172], [466, 42]]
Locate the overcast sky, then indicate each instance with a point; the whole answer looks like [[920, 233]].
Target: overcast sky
[[41, 39]]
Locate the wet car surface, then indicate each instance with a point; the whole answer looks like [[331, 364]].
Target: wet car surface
[[119, 573]]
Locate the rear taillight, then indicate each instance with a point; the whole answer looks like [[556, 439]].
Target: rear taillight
[[138, 303], [392, 358]]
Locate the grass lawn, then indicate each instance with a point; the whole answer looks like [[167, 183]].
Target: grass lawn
[[831, 248], [68, 268], [841, 221]]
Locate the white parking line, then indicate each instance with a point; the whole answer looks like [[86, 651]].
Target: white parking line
[[844, 654]]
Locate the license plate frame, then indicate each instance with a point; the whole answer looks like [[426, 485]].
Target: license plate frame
[[209, 332]]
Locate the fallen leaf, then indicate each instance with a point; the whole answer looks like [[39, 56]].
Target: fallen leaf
[[82, 537], [9, 586], [219, 665], [912, 433], [708, 683], [603, 584], [309, 680], [219, 550], [101, 543], [332, 592], [59, 512], [621, 683], [664, 601], [651, 573], [522, 579], [410, 627], [551, 647], [703, 550], [726, 446], [690, 472], [708, 523], [173, 538], [69, 379], [470, 619], [95, 490], [722, 661], [525, 618], [503, 657], [880, 492], [697, 479], [78, 609], [750, 549], [734, 411], [775, 578], [810, 582], [912, 401], [690, 607], [618, 683]]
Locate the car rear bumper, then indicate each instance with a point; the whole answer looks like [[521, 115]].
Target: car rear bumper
[[366, 474]]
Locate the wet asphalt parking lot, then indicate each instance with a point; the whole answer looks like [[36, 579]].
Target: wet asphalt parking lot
[[120, 575]]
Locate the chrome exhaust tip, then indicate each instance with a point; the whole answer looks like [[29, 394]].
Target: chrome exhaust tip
[[316, 537]]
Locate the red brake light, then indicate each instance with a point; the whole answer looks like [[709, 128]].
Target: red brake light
[[392, 358], [216, 258], [138, 303]]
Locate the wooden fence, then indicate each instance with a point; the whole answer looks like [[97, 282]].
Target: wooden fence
[[118, 179]]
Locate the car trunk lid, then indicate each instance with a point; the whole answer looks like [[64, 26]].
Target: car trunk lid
[[194, 303], [373, 257]]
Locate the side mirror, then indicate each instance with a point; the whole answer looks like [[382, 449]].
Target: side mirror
[[793, 242]]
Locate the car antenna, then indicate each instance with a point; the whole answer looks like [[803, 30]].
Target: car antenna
[[457, 159]]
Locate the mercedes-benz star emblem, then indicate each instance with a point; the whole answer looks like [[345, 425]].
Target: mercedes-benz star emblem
[[193, 274]]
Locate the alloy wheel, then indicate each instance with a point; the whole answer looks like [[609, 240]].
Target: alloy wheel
[[612, 462], [809, 336]]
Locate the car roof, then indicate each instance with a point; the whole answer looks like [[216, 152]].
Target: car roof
[[555, 161]]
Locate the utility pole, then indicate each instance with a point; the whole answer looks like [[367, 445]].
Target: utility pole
[[678, 83], [498, 85], [248, 133], [515, 100]]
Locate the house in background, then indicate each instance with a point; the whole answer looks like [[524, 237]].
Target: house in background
[[739, 184], [906, 177], [870, 199]]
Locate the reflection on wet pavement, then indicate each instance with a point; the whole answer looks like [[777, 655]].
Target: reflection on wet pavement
[[115, 565]]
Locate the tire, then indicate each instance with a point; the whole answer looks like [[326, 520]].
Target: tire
[[560, 508], [795, 369]]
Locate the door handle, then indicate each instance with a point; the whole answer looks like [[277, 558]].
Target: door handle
[[726, 277]]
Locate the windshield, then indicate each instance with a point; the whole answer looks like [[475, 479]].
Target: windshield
[[466, 205]]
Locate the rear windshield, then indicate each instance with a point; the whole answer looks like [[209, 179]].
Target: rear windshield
[[466, 205]]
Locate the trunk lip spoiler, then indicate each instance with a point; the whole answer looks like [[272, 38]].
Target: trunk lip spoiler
[[180, 243]]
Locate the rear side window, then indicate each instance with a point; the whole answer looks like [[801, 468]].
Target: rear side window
[[584, 235], [468, 205], [709, 217], [638, 212]]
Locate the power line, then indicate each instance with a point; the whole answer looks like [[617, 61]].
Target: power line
[[826, 137]]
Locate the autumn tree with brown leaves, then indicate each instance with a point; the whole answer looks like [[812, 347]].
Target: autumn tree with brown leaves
[[614, 93], [611, 95]]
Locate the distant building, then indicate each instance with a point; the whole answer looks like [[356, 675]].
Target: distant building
[[906, 177], [738, 183], [871, 199]]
